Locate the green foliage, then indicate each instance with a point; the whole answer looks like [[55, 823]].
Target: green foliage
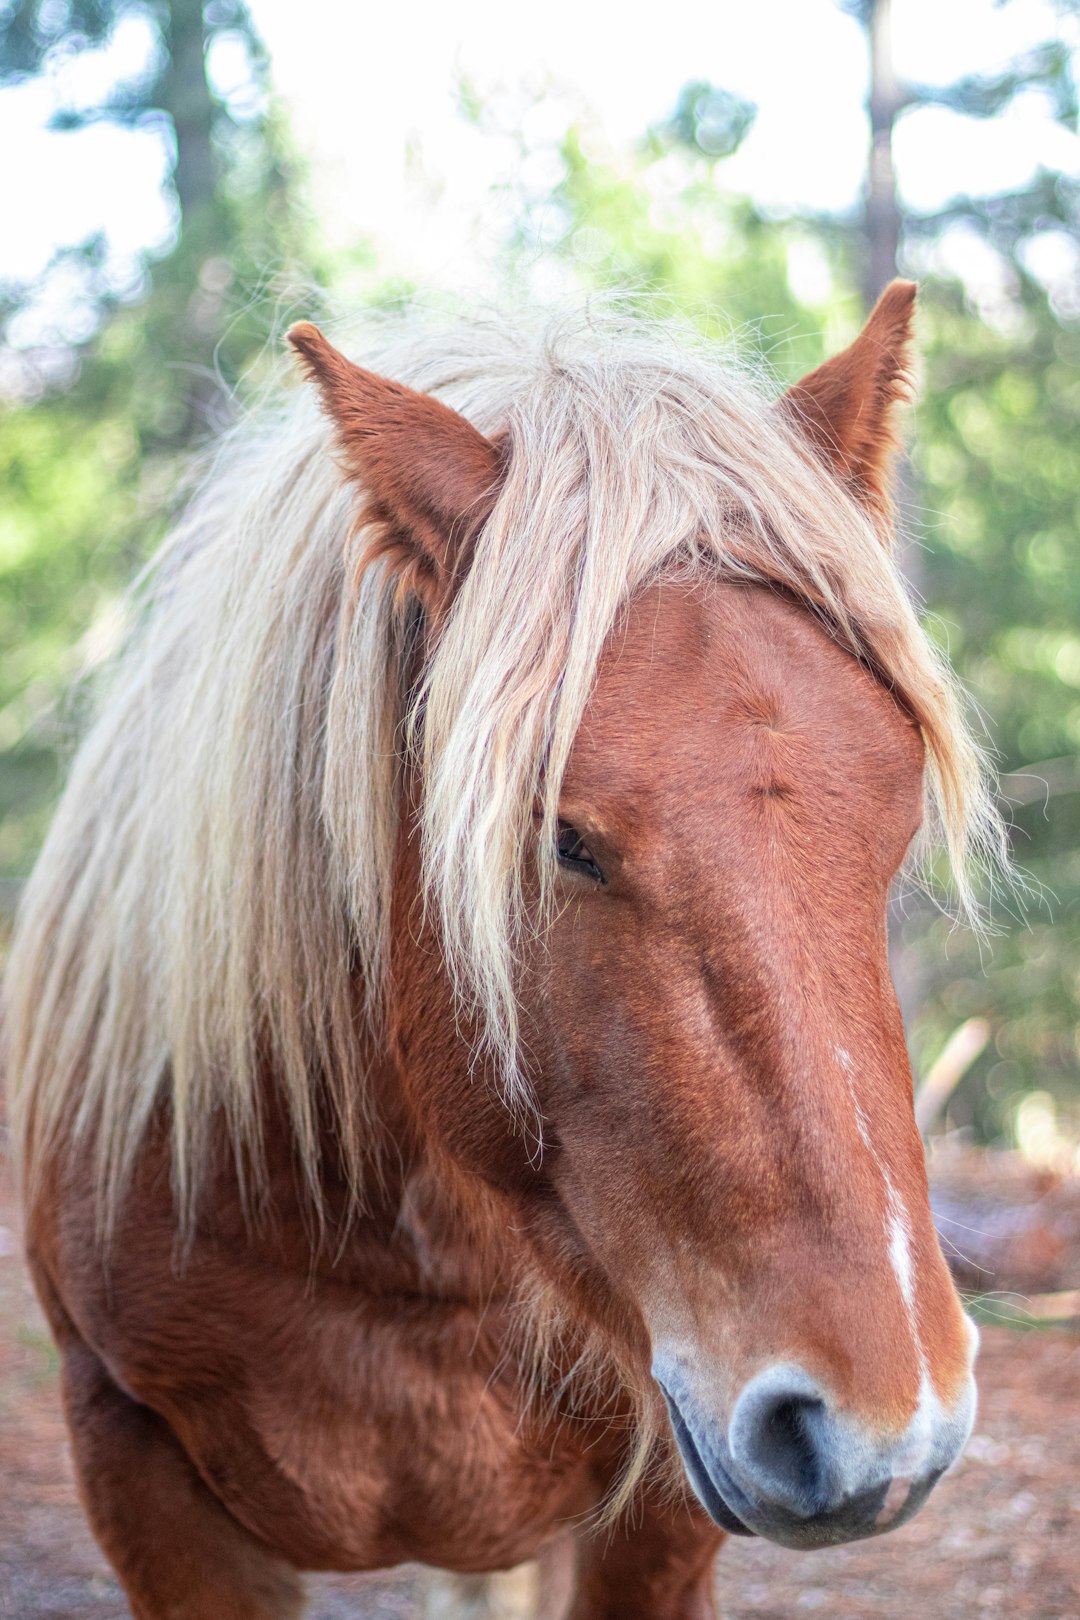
[[665, 229], [69, 483], [89, 460], [998, 453], [668, 231], [998, 462]]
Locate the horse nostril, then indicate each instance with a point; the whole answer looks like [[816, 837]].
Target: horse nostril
[[785, 1446], [780, 1440]]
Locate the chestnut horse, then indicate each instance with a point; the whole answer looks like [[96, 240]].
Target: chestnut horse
[[459, 1089]]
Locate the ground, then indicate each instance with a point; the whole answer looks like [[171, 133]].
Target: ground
[[998, 1538]]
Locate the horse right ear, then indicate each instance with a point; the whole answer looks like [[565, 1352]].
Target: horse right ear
[[429, 477]]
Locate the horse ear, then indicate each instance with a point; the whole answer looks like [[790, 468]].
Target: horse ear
[[848, 407], [429, 477]]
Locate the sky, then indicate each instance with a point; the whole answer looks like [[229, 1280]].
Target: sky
[[372, 94]]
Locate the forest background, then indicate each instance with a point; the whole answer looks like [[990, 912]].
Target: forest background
[[116, 365]]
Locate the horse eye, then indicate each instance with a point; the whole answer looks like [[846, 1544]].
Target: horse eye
[[573, 852]]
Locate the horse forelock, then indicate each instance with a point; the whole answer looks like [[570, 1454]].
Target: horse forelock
[[217, 879]]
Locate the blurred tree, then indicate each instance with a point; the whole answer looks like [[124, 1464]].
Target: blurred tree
[[1045, 71], [99, 418], [881, 223], [668, 229], [998, 468], [998, 450], [203, 87]]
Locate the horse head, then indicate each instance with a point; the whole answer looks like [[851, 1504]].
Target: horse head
[[711, 1150]]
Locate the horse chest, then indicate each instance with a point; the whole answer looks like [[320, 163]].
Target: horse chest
[[354, 1416]]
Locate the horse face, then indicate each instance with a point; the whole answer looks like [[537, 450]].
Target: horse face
[[731, 1180], [731, 1156]]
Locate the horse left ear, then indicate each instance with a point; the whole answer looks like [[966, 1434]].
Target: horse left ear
[[848, 407], [430, 478]]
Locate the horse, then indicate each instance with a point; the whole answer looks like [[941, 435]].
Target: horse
[[461, 1102]]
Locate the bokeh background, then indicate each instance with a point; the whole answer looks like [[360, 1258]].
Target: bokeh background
[[179, 180]]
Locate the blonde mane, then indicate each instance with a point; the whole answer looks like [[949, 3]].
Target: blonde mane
[[215, 883]]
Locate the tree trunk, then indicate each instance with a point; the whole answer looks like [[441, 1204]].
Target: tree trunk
[[185, 96], [881, 216], [881, 236]]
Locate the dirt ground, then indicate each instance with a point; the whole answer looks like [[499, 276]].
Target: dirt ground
[[1000, 1536]]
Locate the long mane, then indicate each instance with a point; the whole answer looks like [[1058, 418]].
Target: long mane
[[215, 884]]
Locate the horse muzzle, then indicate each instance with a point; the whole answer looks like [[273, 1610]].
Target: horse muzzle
[[791, 1466]]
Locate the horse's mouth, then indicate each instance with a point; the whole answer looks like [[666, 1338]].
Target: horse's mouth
[[703, 1481]]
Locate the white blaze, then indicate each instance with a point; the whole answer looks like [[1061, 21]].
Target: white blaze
[[898, 1245], [897, 1220]]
